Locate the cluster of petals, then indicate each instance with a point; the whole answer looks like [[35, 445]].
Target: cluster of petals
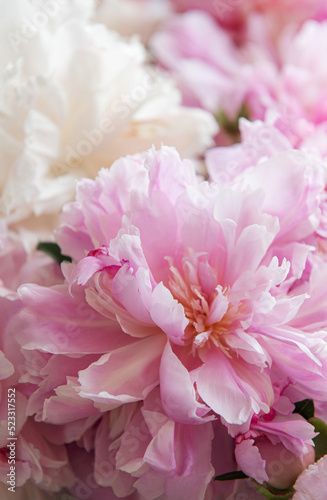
[[39, 463], [251, 76], [186, 322], [201, 290]]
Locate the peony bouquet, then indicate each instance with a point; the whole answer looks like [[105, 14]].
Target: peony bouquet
[[163, 250]]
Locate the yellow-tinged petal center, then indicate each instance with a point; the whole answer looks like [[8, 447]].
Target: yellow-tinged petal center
[[211, 316]]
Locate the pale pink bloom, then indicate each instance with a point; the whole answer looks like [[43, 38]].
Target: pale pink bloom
[[205, 76], [36, 459], [261, 160], [287, 76], [312, 483], [227, 13], [17, 264], [298, 90], [175, 282], [300, 54], [222, 80]]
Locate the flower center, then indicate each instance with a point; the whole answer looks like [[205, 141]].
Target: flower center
[[211, 316]]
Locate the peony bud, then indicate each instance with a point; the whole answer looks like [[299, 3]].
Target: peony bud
[[272, 463]]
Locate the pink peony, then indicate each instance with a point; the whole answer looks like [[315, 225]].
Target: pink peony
[[37, 461], [240, 77], [177, 283], [253, 76], [261, 160], [206, 77]]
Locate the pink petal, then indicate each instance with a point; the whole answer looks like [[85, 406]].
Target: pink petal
[[168, 314], [124, 375], [59, 323], [249, 460], [177, 391]]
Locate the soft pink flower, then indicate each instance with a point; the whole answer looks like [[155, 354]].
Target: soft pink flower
[[238, 77], [312, 483], [36, 460], [253, 75], [262, 159], [175, 282], [206, 77]]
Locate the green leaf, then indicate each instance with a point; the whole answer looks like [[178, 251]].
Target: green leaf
[[53, 250], [320, 441], [231, 126], [272, 493], [305, 408], [230, 476]]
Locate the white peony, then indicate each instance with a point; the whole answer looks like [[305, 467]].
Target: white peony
[[74, 97]]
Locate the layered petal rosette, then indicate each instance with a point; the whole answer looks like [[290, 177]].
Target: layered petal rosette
[[174, 282]]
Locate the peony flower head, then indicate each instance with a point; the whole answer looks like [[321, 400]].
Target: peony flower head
[[174, 282], [252, 76]]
